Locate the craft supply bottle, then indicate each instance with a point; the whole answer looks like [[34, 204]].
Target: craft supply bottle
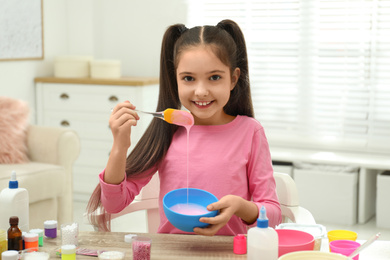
[[50, 228], [39, 232], [14, 202], [10, 255], [263, 241], [15, 241], [68, 252], [3, 241], [31, 241]]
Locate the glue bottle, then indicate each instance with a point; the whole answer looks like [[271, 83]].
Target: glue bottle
[[14, 202], [263, 241]]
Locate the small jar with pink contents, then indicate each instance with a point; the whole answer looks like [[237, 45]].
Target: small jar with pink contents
[[141, 248]]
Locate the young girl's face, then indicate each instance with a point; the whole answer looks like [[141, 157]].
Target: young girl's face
[[204, 85]]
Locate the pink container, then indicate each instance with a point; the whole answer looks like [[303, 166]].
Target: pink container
[[294, 240], [344, 247]]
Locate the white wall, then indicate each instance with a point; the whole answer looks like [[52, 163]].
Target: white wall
[[127, 30]]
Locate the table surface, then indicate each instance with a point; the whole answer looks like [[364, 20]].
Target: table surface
[[168, 246]]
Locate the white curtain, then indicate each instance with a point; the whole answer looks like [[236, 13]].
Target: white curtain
[[319, 70]]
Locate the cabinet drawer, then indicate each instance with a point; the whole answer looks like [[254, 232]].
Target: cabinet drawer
[[74, 97], [90, 126]]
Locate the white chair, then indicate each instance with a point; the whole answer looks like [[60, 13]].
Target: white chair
[[285, 188]]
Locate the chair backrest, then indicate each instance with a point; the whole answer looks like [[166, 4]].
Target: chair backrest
[[289, 200], [285, 188]]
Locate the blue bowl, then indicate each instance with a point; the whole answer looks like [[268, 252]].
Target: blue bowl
[[195, 196]]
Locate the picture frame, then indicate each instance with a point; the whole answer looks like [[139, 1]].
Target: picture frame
[[21, 30]]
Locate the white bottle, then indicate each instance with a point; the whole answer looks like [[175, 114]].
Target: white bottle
[[14, 201], [263, 241]]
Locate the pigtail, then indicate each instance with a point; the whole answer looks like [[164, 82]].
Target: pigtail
[[168, 95], [236, 104]]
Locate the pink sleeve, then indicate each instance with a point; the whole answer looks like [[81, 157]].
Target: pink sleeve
[[115, 197], [261, 180]]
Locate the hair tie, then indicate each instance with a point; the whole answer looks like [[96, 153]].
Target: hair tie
[[182, 29]]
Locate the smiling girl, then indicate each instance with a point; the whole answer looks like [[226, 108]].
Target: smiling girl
[[205, 70]]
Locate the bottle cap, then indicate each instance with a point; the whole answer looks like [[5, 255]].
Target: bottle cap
[[14, 220], [37, 231], [129, 237], [31, 237], [50, 224], [68, 249], [262, 221], [13, 183], [239, 244], [10, 255]]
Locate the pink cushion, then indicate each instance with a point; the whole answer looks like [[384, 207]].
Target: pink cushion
[[14, 121]]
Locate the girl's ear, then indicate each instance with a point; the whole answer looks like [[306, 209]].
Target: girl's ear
[[235, 76]]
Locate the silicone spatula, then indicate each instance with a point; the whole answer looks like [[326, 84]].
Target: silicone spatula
[[173, 116]]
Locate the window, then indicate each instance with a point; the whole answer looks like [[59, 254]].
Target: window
[[319, 70]]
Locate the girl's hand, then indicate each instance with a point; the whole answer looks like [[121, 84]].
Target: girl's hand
[[122, 118], [227, 206]]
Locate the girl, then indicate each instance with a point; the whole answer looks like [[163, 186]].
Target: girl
[[204, 69]]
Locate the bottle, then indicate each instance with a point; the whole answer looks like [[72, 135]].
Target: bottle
[[14, 235], [14, 201], [263, 242]]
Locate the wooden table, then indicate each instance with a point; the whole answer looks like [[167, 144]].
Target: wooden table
[[166, 246]]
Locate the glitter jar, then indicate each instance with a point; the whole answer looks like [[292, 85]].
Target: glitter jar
[[50, 228], [40, 235], [70, 233], [31, 241], [68, 252]]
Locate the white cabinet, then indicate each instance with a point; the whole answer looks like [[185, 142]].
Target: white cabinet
[[85, 107]]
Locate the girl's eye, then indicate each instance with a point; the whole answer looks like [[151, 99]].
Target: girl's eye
[[188, 78], [215, 77]]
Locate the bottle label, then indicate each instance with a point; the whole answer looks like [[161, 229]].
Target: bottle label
[[15, 243]]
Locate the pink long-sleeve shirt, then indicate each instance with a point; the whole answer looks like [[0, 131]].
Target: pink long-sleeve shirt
[[223, 159]]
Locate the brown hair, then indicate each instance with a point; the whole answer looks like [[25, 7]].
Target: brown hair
[[228, 43]]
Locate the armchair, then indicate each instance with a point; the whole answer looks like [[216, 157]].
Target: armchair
[[48, 175]]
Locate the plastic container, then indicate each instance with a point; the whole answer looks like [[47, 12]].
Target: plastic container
[[317, 231], [14, 201], [344, 247], [111, 255], [10, 255], [39, 232], [239, 244], [72, 66], [3, 241], [382, 203], [262, 240], [141, 247], [329, 192], [291, 240], [68, 252], [342, 235], [31, 241], [70, 233], [106, 69], [312, 255], [15, 241], [34, 254], [198, 197], [50, 228]]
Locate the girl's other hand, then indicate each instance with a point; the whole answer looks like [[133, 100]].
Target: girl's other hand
[[122, 118], [227, 206]]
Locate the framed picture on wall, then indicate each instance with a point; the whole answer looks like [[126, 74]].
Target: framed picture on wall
[[21, 30]]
